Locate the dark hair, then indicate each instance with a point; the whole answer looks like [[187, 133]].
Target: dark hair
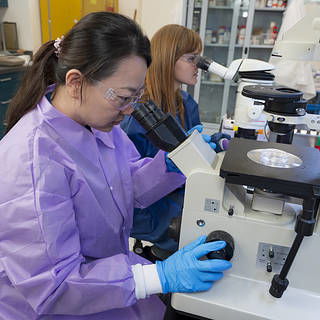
[[94, 46]]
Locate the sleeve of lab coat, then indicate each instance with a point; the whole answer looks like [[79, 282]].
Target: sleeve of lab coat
[[151, 180]]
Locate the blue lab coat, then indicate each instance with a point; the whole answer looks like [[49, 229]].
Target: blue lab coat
[[151, 223]]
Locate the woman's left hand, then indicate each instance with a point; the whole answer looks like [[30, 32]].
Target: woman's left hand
[[205, 137]]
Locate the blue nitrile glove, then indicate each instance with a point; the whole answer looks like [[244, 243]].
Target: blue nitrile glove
[[184, 272], [205, 137], [221, 140]]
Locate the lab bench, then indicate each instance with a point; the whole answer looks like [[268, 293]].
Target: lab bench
[[10, 78]]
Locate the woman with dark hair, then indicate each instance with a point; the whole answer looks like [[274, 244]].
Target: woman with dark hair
[[173, 50], [70, 179]]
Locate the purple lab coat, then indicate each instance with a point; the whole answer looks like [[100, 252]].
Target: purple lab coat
[[66, 205]]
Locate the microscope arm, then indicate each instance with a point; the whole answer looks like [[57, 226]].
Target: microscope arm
[[304, 227], [235, 68]]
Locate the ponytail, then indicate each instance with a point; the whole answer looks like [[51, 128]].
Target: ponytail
[[38, 77]]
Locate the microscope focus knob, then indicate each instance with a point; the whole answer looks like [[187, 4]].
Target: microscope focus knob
[[227, 252]]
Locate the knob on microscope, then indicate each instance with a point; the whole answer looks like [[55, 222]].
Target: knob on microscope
[[227, 252]]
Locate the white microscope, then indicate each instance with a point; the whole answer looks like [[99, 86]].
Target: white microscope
[[262, 198], [300, 42], [248, 118]]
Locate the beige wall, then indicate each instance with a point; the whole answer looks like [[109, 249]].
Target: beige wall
[[153, 14], [26, 14], [127, 7]]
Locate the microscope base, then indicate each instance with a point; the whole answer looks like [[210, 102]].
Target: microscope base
[[246, 299]]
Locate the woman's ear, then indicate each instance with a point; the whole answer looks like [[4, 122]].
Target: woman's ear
[[73, 83]]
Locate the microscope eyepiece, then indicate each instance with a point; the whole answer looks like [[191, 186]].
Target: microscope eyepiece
[[162, 129], [203, 62]]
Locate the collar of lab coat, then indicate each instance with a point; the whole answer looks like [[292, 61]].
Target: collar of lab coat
[[76, 134], [105, 137]]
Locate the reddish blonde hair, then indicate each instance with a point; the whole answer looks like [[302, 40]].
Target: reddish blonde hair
[[167, 45]]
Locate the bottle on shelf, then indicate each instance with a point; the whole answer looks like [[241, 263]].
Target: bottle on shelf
[[208, 36], [212, 3], [221, 34], [268, 3], [221, 3], [271, 34], [257, 36], [282, 3], [260, 4], [241, 34], [274, 34], [226, 37], [245, 3], [198, 3], [214, 36]]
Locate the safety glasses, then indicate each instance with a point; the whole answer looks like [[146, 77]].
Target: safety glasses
[[190, 58], [119, 101]]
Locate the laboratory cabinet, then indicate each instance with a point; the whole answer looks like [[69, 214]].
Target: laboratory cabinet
[[230, 29], [10, 79], [3, 3], [59, 16]]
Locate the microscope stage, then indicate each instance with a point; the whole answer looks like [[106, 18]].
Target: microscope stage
[[301, 180]]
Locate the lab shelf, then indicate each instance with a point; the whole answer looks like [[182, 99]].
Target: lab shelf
[[232, 32], [271, 9], [9, 82], [261, 46], [4, 3], [221, 7], [217, 45], [215, 83], [256, 46]]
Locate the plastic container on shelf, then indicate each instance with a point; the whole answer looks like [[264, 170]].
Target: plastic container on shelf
[[245, 3], [221, 34], [204, 76], [316, 77], [271, 34], [317, 144], [198, 3], [221, 3], [268, 3], [274, 34], [226, 37], [282, 3], [214, 36], [241, 35], [211, 3], [259, 4], [214, 78], [256, 38], [208, 36]]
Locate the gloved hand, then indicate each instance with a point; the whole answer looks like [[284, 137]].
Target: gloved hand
[[205, 137], [221, 140], [184, 272]]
